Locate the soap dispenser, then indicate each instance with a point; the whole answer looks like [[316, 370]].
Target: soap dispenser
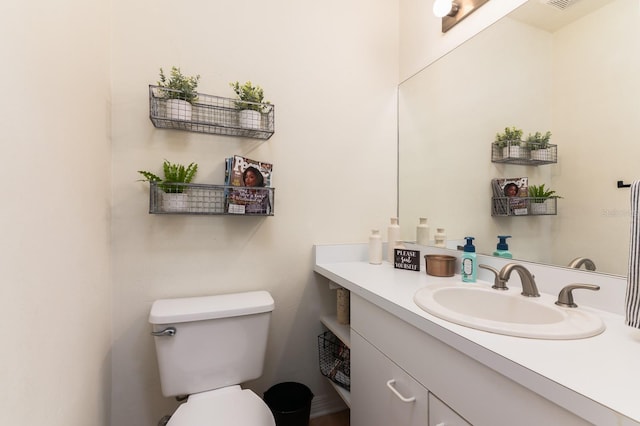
[[502, 250], [469, 270]]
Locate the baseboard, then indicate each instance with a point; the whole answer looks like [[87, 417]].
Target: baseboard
[[326, 404]]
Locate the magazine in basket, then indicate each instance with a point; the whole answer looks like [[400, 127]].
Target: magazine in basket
[[254, 179], [516, 190]]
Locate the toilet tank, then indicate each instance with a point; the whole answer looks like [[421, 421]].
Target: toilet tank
[[218, 341]]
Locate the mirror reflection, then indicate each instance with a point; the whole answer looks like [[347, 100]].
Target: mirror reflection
[[570, 71]]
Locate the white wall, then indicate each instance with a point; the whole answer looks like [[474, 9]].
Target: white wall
[[599, 140], [55, 294], [330, 68]]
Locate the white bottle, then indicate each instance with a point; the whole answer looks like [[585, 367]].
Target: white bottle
[[440, 238], [375, 247], [422, 232], [393, 235]]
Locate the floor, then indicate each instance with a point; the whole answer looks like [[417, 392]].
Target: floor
[[336, 419]]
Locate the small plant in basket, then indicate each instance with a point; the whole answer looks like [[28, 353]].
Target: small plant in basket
[[179, 85], [251, 104], [538, 140], [173, 173], [511, 136], [538, 194], [179, 92], [538, 143], [174, 199], [510, 141], [251, 97]]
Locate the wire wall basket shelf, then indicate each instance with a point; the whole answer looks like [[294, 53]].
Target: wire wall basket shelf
[[335, 359], [523, 206], [204, 199], [210, 114], [529, 154]]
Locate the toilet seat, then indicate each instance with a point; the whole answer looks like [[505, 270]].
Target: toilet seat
[[227, 406]]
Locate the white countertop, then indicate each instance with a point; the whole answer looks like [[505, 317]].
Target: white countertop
[[597, 378]]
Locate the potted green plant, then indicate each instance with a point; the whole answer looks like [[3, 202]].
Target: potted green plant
[[174, 197], [180, 92], [510, 141], [251, 104], [539, 195], [538, 144]]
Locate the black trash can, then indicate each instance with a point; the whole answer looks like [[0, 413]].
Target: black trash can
[[290, 403]]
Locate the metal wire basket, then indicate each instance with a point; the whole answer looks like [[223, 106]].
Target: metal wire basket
[[523, 206], [210, 114], [335, 359], [204, 199]]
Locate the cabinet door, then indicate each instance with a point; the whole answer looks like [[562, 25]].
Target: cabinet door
[[441, 415], [382, 394]]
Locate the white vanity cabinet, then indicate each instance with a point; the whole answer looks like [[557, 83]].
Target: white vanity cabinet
[[449, 387]]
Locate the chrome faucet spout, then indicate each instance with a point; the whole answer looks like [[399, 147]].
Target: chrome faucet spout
[[529, 287], [579, 261]]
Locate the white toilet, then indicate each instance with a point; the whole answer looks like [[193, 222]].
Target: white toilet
[[206, 346]]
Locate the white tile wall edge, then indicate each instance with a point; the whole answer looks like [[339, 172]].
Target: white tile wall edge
[[594, 378]]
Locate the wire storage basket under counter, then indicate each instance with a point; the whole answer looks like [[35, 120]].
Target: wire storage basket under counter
[[211, 114], [335, 359], [204, 199]]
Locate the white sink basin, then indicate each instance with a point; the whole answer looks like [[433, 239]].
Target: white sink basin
[[506, 312]]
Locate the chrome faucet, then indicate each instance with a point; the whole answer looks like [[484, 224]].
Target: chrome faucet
[[579, 261], [529, 287]]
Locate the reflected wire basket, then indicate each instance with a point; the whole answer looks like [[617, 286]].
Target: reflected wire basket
[[335, 359]]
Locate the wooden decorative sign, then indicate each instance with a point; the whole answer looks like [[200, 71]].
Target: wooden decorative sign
[[407, 259]]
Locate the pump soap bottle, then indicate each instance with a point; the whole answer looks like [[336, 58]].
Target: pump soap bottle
[[469, 270], [502, 249]]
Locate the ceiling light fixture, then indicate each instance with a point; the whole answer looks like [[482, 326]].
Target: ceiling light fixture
[[453, 12], [442, 8]]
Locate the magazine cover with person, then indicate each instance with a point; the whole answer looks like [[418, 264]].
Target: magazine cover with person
[[254, 178], [516, 189]]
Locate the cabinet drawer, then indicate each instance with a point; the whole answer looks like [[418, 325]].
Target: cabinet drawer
[[441, 415], [382, 394]]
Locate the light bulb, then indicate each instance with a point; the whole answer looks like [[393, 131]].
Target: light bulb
[[442, 8]]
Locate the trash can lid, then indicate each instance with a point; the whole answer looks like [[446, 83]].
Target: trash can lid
[[226, 406]]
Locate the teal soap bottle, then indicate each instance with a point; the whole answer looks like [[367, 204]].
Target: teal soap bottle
[[502, 249], [469, 269]]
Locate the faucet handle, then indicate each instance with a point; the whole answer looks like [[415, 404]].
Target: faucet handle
[[565, 298], [498, 284]]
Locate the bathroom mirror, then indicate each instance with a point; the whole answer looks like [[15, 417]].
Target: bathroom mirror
[[573, 71]]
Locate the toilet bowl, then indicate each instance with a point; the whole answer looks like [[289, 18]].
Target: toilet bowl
[[206, 347], [223, 407]]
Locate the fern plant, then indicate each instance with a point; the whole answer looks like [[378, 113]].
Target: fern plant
[[251, 97], [181, 86], [173, 175], [539, 193]]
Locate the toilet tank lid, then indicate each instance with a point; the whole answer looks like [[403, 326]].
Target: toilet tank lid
[[185, 309]]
